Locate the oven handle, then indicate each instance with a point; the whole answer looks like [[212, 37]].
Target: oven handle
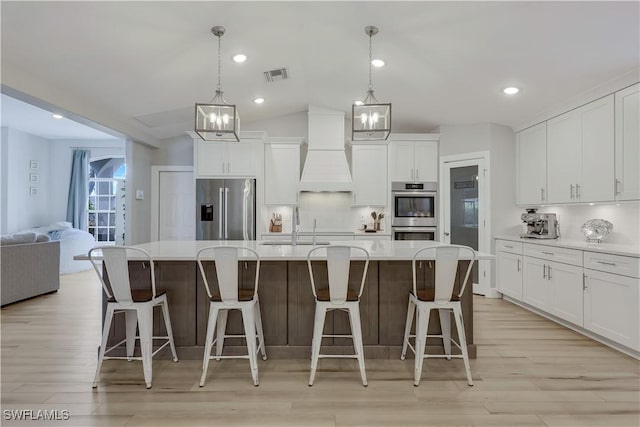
[[415, 193], [416, 229]]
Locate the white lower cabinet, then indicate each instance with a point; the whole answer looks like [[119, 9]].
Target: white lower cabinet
[[611, 307], [597, 292], [566, 291], [536, 288], [510, 274]]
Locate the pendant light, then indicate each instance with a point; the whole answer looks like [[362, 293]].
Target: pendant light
[[371, 120], [217, 120]]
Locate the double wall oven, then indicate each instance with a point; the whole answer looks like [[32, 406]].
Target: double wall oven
[[415, 207]]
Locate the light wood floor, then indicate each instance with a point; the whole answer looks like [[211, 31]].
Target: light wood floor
[[529, 371]]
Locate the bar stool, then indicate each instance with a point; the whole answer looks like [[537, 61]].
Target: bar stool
[[137, 304], [337, 297], [422, 301], [230, 297]]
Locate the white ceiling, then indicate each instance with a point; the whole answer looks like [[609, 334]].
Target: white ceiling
[[36, 121], [447, 62]]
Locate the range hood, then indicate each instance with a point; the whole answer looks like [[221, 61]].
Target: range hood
[[326, 167]]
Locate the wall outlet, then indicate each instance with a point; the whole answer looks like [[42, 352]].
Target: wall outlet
[[139, 194]]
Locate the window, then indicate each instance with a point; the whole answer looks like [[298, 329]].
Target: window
[[106, 200]]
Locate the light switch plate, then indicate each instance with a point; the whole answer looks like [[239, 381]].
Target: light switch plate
[[139, 194]]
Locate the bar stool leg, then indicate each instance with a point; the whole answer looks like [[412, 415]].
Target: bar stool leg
[[211, 326], [411, 310], [145, 324], [222, 329], [103, 345], [318, 326], [248, 318], [259, 330], [167, 326], [131, 319], [422, 326], [457, 312], [445, 325], [356, 333]]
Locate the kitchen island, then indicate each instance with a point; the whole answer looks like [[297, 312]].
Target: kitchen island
[[286, 299]]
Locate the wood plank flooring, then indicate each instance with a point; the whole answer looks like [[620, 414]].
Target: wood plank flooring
[[529, 372]]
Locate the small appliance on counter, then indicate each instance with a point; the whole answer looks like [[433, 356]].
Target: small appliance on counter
[[540, 225]]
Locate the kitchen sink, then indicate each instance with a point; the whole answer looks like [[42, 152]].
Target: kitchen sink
[[288, 242]]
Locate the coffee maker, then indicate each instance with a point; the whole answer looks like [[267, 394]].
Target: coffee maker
[[540, 225]]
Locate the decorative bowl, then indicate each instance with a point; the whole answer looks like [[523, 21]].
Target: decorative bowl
[[596, 230]]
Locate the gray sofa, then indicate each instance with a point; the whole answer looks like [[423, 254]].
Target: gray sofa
[[28, 270]]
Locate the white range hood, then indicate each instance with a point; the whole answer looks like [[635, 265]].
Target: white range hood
[[326, 167]]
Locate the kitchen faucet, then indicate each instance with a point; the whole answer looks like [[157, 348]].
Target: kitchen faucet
[[295, 222]]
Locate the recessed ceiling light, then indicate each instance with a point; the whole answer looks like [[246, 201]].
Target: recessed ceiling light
[[57, 116], [358, 102], [377, 63], [511, 90], [240, 57], [258, 100]]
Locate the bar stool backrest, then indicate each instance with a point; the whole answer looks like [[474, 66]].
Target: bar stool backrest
[[338, 266], [226, 261], [446, 257], [116, 262]]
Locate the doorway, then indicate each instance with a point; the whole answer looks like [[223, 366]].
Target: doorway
[[465, 209]]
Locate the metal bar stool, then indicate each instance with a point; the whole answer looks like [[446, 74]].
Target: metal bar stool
[[230, 297], [337, 297], [441, 298], [137, 304]]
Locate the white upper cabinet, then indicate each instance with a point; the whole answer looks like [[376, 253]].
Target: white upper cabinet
[[627, 145], [531, 155], [215, 159], [281, 173], [369, 173], [580, 146], [413, 160]]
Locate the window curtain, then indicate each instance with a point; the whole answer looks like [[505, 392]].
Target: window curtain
[[78, 200]]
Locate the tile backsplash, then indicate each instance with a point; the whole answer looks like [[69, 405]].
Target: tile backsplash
[[333, 212]]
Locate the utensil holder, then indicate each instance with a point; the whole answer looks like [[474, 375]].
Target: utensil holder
[[275, 228]]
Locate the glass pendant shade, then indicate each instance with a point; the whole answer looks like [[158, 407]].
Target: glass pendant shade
[[217, 120], [371, 120]]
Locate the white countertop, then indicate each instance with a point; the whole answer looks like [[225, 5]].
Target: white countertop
[[331, 233], [379, 250], [607, 248]]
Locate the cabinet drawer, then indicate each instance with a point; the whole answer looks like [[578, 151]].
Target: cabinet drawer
[[509, 246], [552, 253], [617, 264]]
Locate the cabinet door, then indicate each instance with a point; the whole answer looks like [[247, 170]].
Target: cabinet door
[[402, 165], [564, 135], [241, 159], [531, 154], [281, 174], [369, 170], [536, 288], [627, 143], [426, 161], [597, 183], [210, 159], [566, 291], [611, 306], [510, 274]]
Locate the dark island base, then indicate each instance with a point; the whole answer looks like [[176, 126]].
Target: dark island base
[[287, 307]]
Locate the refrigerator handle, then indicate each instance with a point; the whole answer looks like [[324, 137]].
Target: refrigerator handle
[[226, 213], [220, 217]]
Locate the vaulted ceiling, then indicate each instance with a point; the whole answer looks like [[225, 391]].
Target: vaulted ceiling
[[141, 66]]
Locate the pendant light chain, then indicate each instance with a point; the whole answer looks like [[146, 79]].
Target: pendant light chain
[[370, 59], [219, 64]]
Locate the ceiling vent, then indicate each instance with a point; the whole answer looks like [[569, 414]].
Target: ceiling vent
[[276, 75]]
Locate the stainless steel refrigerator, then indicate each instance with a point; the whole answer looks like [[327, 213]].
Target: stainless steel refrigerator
[[226, 209]]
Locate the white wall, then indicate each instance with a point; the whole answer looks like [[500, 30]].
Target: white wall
[[464, 139], [624, 217], [176, 151], [4, 164], [294, 125], [61, 157], [24, 210], [138, 212]]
